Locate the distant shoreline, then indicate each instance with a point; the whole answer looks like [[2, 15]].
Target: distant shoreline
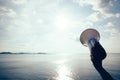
[[39, 53], [22, 53]]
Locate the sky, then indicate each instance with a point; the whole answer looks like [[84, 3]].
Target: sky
[[54, 26]]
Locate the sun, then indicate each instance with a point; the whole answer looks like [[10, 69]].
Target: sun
[[62, 22]]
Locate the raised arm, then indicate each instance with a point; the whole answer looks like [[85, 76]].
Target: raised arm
[[97, 55]]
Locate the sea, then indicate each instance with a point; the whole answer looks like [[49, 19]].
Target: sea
[[55, 66]]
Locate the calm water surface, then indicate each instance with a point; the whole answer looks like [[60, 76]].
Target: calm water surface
[[55, 67]]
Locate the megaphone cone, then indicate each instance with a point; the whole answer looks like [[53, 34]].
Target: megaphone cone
[[89, 37]]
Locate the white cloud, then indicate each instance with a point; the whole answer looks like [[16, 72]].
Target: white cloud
[[7, 12], [111, 39], [117, 15], [113, 32], [109, 24], [111, 44], [102, 6], [87, 2], [96, 16], [19, 1]]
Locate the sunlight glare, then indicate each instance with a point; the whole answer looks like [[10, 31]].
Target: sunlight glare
[[62, 22], [64, 73]]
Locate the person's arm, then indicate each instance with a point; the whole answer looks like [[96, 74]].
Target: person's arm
[[104, 74], [97, 55]]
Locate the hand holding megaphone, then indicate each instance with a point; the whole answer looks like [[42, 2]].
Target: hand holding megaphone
[[90, 38]]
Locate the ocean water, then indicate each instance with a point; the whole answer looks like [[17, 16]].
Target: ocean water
[[55, 67]]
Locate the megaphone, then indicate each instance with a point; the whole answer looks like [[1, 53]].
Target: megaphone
[[89, 37]]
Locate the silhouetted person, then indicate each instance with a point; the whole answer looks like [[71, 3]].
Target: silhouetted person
[[97, 55]]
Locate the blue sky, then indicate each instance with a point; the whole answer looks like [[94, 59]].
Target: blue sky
[[54, 26]]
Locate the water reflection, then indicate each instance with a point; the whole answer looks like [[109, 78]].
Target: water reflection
[[64, 72]]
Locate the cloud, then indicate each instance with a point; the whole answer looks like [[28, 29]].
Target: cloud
[[96, 16], [110, 6], [7, 12], [101, 5], [109, 24], [117, 15], [104, 11], [7, 16], [113, 32], [111, 44], [19, 2], [25, 23], [106, 7]]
